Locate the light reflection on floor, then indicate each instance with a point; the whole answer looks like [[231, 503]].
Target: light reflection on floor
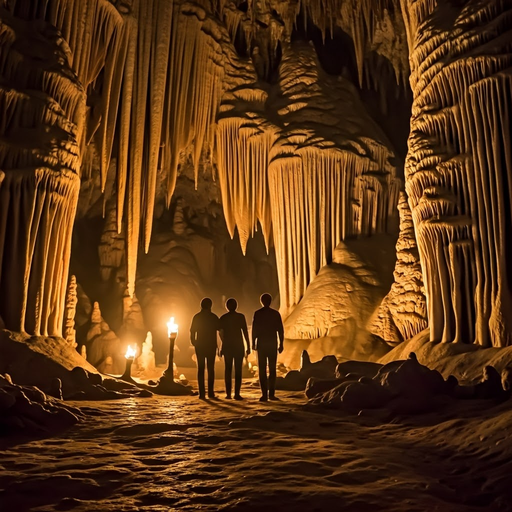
[[182, 453]]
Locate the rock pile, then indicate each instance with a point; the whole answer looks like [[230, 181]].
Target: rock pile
[[26, 410], [296, 380], [399, 387]]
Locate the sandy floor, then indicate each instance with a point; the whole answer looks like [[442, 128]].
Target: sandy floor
[[180, 453]]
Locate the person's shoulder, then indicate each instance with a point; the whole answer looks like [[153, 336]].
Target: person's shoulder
[[241, 318], [213, 315], [224, 316], [276, 313]]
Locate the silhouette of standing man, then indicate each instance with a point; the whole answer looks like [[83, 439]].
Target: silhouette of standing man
[[203, 336], [267, 325], [233, 330]]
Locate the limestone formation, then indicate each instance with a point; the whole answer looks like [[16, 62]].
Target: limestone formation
[[403, 312], [145, 364], [104, 348], [402, 387], [318, 143], [111, 246], [41, 130], [459, 165], [70, 311], [334, 312], [238, 91]]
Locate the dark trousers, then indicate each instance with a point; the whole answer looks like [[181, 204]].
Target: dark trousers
[[229, 359], [205, 358], [267, 356]]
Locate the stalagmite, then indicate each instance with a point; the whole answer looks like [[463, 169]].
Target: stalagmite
[[145, 363], [70, 311], [111, 246], [459, 165], [104, 349]]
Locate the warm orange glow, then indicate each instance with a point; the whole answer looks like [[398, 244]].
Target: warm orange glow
[[172, 328], [130, 352]]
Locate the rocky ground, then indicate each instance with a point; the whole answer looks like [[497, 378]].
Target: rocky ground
[[181, 453]]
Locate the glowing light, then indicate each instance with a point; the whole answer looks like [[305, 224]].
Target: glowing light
[[172, 328], [130, 352]]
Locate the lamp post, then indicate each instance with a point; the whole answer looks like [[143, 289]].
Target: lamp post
[[130, 356], [172, 332]]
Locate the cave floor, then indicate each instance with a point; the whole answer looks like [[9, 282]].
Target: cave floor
[[181, 453]]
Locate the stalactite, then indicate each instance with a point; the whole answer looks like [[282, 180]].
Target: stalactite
[[178, 54], [375, 27], [459, 165], [243, 147]]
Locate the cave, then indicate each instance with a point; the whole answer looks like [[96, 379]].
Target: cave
[[351, 158]]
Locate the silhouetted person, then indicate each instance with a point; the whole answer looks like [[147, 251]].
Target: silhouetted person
[[203, 336], [267, 326], [233, 330]]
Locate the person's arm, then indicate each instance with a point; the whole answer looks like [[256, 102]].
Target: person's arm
[[280, 332], [193, 331], [246, 335], [254, 332], [221, 334]]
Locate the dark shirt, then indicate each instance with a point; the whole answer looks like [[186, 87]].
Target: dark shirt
[[266, 325], [234, 327], [203, 331]]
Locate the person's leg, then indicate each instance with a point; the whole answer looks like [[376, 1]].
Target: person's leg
[[262, 369], [272, 373], [238, 375], [200, 372], [228, 367], [210, 362]]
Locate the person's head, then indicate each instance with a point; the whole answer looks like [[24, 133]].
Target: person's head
[[206, 303], [231, 304], [266, 300]]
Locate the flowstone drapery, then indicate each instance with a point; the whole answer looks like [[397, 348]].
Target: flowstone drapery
[[43, 108], [459, 165], [308, 163]]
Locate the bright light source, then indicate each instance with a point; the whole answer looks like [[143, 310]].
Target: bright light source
[[130, 352], [172, 328]]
